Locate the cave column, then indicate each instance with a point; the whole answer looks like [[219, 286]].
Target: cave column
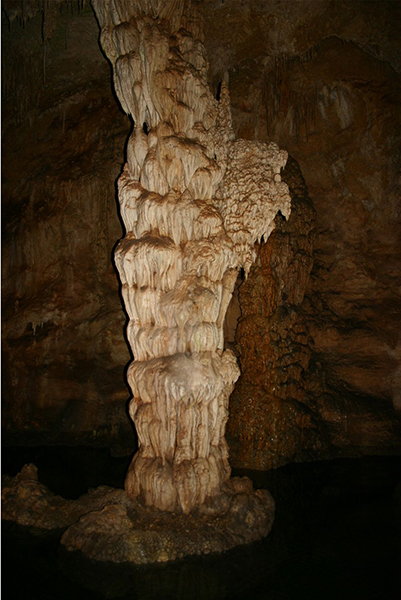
[[193, 202]]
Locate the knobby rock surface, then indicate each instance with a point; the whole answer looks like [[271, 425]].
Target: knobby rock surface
[[193, 201]]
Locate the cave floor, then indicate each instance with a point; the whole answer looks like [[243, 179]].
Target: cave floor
[[337, 534]]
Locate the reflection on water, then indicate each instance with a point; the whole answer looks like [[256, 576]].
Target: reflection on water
[[337, 535]]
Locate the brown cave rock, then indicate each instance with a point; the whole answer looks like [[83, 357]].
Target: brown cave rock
[[319, 331], [273, 417], [63, 135]]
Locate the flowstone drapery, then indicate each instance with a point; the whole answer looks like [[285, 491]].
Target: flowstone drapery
[[193, 201]]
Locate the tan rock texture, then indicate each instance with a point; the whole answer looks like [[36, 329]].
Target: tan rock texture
[[107, 526], [193, 201]]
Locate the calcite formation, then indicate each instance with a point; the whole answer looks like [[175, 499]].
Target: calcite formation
[[106, 525], [193, 201], [273, 414]]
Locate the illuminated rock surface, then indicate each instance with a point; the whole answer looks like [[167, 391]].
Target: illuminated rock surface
[[193, 201]]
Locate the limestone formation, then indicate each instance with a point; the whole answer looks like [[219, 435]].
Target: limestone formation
[[273, 394], [106, 525], [193, 201]]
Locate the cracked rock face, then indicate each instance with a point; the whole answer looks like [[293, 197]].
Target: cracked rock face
[[194, 201]]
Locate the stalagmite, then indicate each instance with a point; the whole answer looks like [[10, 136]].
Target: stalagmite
[[194, 201]]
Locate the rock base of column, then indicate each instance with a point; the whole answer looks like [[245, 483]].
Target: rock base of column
[[141, 535], [106, 525]]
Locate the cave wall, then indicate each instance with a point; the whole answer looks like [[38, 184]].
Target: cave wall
[[63, 138], [319, 78], [322, 79]]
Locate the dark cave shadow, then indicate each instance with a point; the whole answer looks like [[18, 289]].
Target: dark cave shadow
[[336, 535]]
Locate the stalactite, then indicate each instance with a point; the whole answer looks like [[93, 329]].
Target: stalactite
[[280, 97], [193, 200], [49, 9]]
